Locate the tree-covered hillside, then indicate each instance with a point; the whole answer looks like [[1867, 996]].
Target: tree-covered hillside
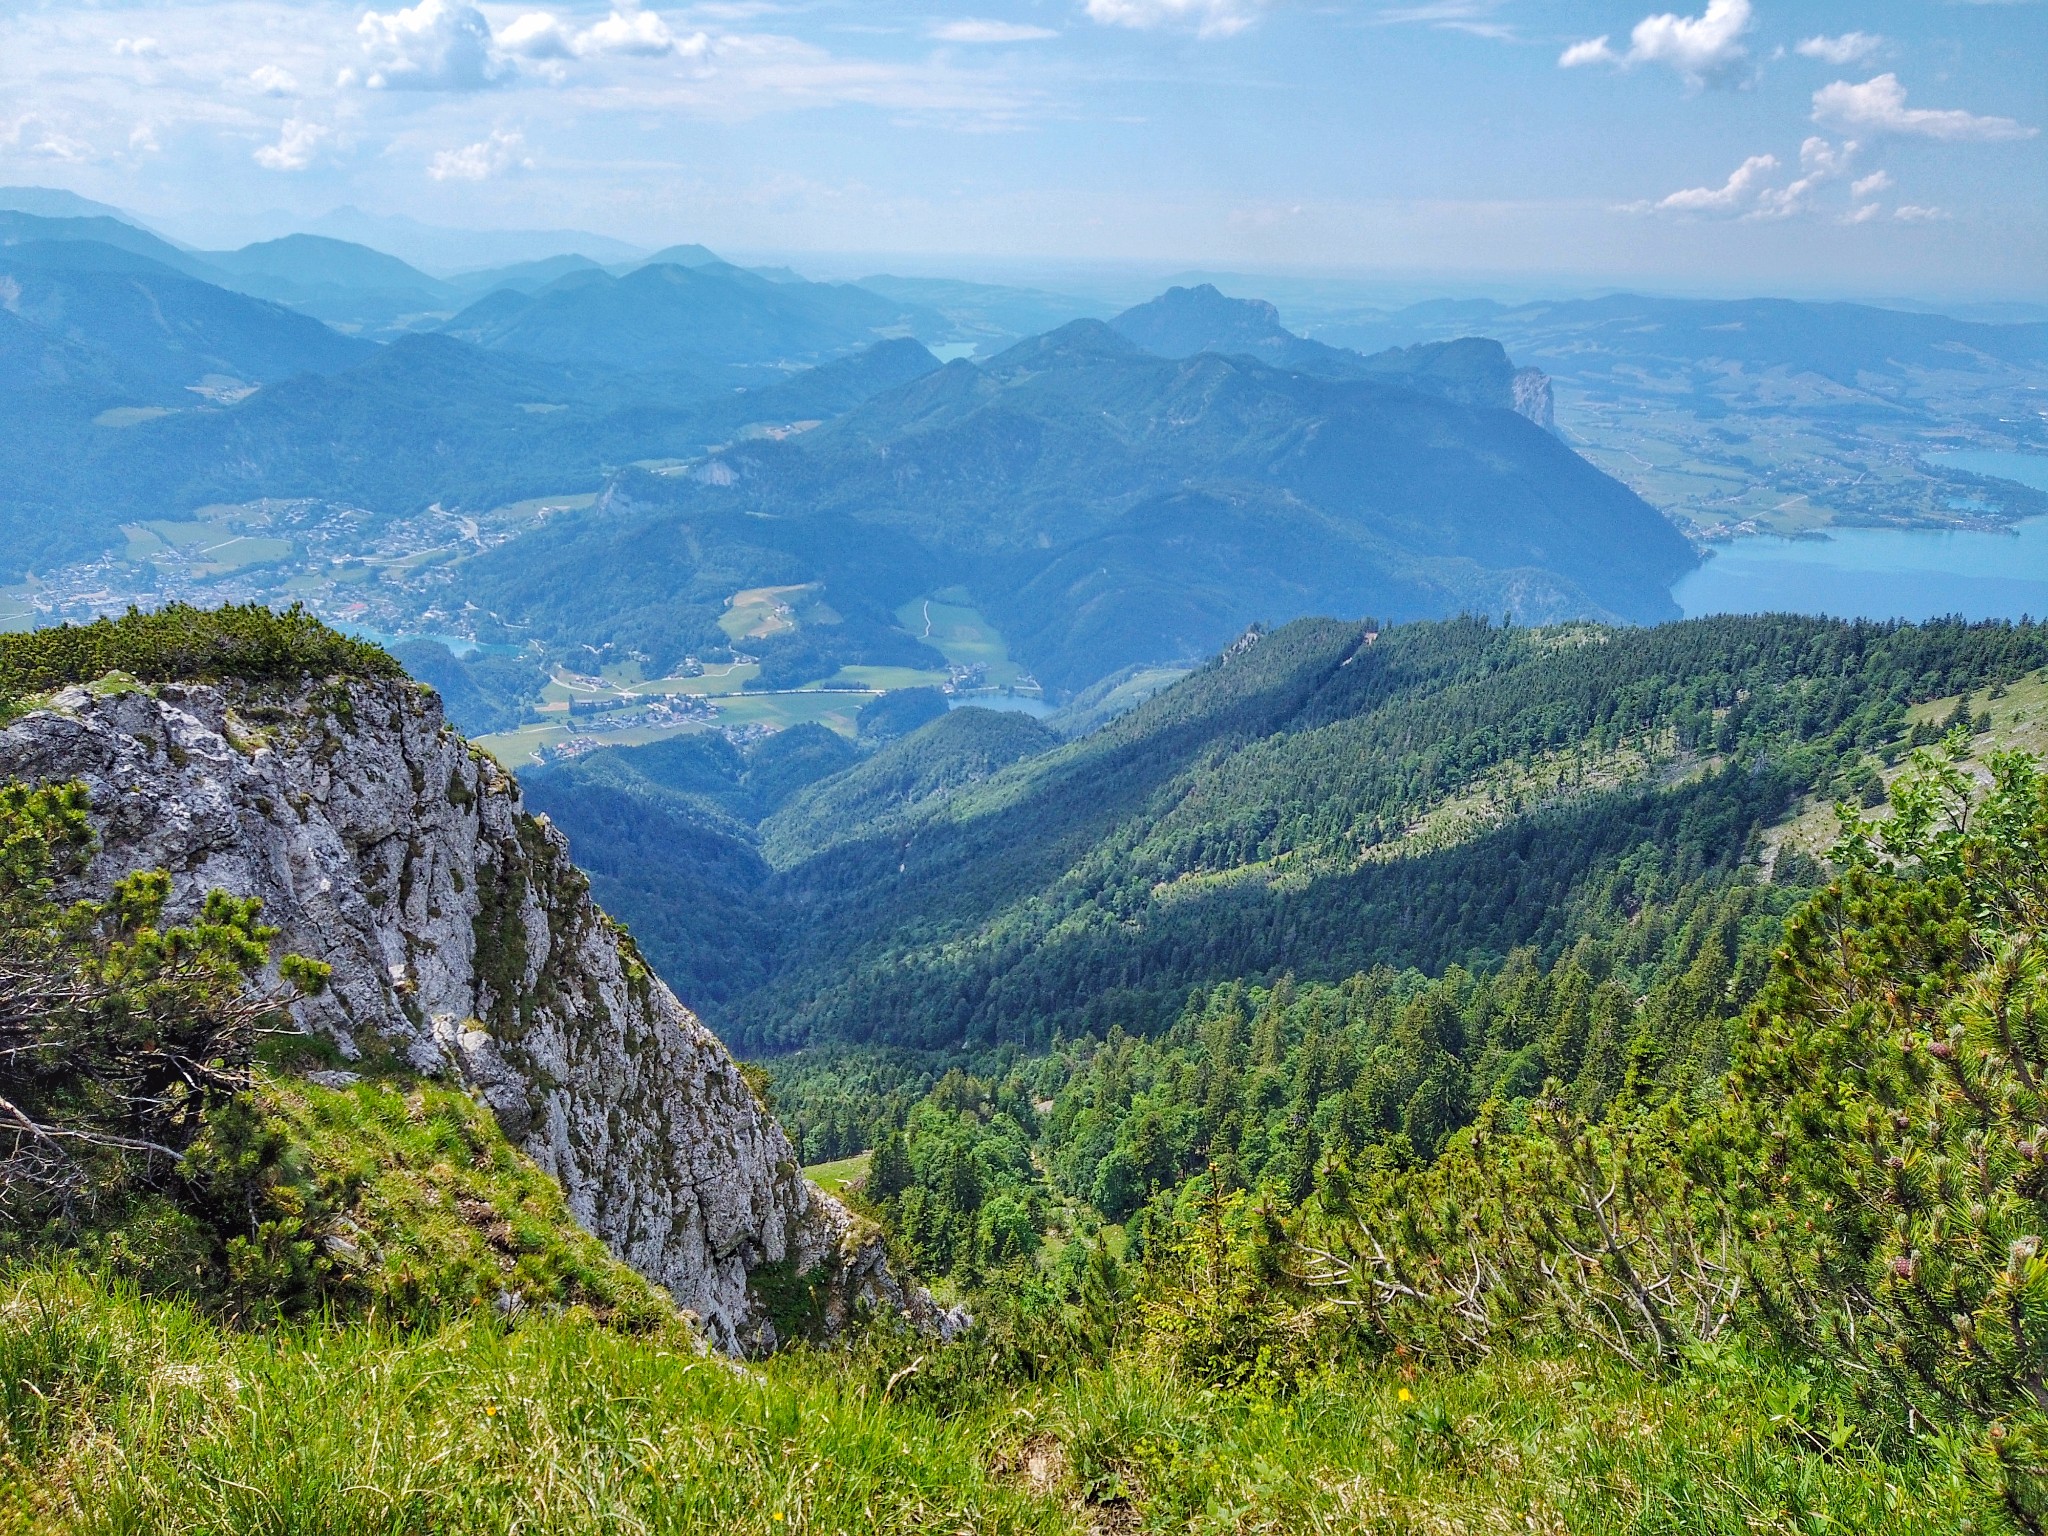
[[1321, 800], [1107, 507]]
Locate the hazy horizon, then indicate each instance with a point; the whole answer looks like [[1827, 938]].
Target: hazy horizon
[[1809, 149]]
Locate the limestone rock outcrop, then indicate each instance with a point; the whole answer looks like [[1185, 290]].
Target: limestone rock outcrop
[[463, 939], [1533, 398]]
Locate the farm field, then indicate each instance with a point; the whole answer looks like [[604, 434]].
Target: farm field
[[757, 613], [980, 671], [131, 415], [805, 706], [1768, 454], [16, 612], [721, 683], [206, 548], [881, 679], [950, 625]]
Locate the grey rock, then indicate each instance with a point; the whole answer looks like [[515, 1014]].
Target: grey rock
[[1533, 398], [463, 937]]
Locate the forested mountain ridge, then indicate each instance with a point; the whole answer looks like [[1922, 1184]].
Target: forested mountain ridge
[[1320, 801], [159, 325], [1109, 507]]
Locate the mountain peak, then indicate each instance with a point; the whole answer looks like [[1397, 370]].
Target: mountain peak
[[1184, 321], [1075, 340]]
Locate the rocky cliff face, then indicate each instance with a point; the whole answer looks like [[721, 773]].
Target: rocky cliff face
[[1533, 398], [463, 938]]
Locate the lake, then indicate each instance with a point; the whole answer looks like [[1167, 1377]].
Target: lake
[[1888, 573]]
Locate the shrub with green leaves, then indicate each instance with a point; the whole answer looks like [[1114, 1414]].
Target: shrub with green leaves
[[1888, 1116], [181, 643], [117, 1034]]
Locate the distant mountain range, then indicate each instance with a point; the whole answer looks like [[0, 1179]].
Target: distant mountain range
[[1471, 370], [1110, 493], [1107, 506], [137, 392], [667, 315], [1837, 341]]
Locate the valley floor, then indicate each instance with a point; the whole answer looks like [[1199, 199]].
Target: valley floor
[[124, 1415]]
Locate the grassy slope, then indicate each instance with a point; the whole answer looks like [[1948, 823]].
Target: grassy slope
[[441, 1211], [128, 1416]]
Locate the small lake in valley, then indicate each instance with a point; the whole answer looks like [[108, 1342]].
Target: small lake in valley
[[1888, 573]]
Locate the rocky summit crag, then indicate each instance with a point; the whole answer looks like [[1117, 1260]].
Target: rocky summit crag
[[463, 939]]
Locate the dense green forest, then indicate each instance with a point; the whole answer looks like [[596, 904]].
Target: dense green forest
[[1322, 801]]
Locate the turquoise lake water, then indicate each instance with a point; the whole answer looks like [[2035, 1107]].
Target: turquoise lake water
[[1888, 573]]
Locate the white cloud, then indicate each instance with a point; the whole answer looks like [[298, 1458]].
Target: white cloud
[[494, 156], [1705, 50], [437, 45], [537, 35], [1822, 162], [1470, 16], [1209, 18], [142, 140], [1879, 106], [542, 36], [974, 31], [1748, 193], [1862, 215], [297, 143], [1849, 48], [640, 34], [1911, 214], [273, 81], [138, 47], [61, 146], [1726, 198], [1871, 185]]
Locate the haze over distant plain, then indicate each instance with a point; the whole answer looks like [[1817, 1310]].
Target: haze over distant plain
[[1781, 145]]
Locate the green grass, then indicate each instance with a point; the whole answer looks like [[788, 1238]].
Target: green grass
[[760, 612], [960, 634], [119, 1415], [778, 711], [881, 679], [536, 508], [837, 1178], [448, 1213], [419, 1208]]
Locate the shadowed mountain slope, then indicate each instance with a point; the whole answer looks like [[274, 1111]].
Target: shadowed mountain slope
[[1108, 506], [670, 316]]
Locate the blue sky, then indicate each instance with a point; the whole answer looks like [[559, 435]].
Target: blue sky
[[1759, 145]]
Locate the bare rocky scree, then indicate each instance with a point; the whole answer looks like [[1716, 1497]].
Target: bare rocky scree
[[461, 934]]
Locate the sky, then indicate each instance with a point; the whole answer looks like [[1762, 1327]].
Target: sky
[[1894, 147]]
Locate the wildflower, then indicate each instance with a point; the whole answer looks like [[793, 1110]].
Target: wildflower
[[1406, 1396]]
